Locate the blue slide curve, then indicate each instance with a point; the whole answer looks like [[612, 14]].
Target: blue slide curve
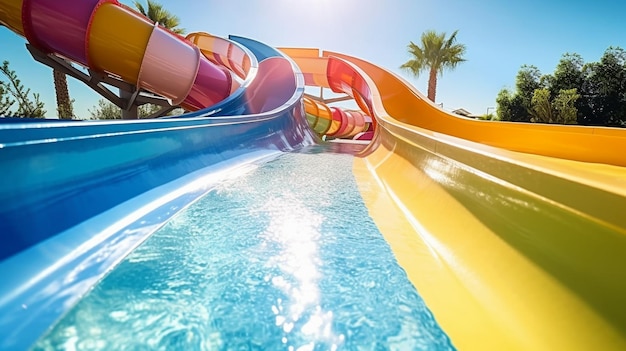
[[77, 197]]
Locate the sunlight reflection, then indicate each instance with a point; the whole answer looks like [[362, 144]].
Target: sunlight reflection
[[296, 229], [439, 171]]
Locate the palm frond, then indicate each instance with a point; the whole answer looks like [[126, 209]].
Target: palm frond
[[435, 53], [158, 14]]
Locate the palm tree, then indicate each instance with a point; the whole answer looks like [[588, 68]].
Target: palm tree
[[65, 110], [158, 14], [435, 54]]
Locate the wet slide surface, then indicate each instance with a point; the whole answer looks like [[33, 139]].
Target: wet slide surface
[[258, 265], [496, 220], [513, 234]]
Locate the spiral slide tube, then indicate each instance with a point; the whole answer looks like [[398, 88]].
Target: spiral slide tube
[[337, 122], [106, 36], [331, 121]]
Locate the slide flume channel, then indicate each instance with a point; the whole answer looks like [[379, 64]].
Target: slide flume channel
[[513, 233]]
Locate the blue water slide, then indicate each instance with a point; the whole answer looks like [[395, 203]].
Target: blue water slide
[[77, 197], [236, 104], [244, 101]]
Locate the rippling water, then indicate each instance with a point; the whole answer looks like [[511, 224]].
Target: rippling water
[[282, 258]]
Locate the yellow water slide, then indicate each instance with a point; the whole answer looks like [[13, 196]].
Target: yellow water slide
[[514, 234]]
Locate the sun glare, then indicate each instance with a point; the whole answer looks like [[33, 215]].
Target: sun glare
[[296, 230]]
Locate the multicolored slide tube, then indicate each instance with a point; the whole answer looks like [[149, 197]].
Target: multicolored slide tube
[[332, 121], [194, 72], [337, 122], [107, 36]]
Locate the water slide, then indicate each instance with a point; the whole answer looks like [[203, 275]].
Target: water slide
[[514, 234]]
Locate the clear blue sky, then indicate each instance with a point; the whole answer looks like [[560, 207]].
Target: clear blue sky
[[500, 37]]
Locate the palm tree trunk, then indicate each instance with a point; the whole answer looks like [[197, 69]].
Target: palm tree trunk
[[65, 110], [432, 84]]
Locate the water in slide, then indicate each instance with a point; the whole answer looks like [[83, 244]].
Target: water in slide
[[512, 233]]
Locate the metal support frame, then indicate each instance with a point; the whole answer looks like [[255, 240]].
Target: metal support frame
[[129, 97], [327, 101]]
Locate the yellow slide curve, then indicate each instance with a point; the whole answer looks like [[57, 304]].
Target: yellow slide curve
[[514, 234]]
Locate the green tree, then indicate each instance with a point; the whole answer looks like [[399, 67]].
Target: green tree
[[570, 73], [13, 92], [517, 106], [5, 101], [105, 110], [606, 86], [435, 54], [155, 12], [560, 110], [595, 91], [108, 110], [541, 107], [565, 106], [528, 80], [511, 107]]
